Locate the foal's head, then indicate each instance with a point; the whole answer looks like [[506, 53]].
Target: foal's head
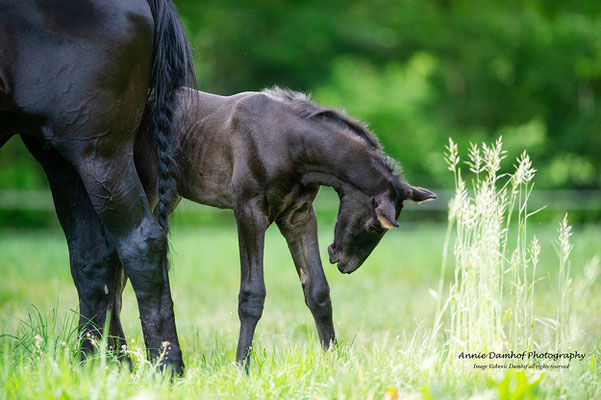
[[363, 220]]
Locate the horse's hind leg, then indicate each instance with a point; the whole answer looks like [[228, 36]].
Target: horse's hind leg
[[95, 266], [300, 230], [119, 200], [116, 333], [89, 115]]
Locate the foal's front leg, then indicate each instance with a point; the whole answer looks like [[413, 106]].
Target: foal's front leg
[[252, 224], [300, 230]]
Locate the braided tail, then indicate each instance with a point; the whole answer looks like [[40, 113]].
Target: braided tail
[[172, 68]]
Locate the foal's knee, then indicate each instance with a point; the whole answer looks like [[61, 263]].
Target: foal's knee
[[250, 303], [318, 299]]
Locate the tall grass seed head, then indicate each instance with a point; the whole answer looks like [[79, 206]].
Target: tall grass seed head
[[451, 155], [524, 172]]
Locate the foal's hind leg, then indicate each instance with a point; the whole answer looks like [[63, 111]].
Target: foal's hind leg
[[95, 266], [300, 230]]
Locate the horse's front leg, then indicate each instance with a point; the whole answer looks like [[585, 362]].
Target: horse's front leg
[[252, 224], [300, 230]]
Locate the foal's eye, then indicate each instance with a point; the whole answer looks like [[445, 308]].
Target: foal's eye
[[376, 230]]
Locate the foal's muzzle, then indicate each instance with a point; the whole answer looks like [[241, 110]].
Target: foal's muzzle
[[333, 254], [345, 265]]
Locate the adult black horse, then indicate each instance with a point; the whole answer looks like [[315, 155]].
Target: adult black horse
[[74, 79]]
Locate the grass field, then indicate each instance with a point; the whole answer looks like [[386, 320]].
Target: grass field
[[383, 313]]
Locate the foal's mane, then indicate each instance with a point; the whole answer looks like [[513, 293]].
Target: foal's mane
[[302, 104]]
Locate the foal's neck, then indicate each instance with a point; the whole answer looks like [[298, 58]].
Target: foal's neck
[[345, 162]]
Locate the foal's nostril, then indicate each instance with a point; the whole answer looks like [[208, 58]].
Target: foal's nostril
[[332, 253]]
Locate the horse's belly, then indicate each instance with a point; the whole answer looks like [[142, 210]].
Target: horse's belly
[[212, 188]]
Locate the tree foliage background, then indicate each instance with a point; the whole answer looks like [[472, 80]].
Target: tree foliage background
[[416, 71]]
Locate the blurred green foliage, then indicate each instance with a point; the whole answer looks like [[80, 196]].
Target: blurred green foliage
[[421, 71], [416, 71]]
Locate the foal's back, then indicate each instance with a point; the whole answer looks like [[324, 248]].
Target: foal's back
[[227, 147]]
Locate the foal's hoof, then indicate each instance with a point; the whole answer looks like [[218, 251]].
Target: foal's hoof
[[244, 363], [330, 344]]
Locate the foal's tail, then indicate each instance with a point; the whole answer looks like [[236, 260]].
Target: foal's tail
[[172, 68]]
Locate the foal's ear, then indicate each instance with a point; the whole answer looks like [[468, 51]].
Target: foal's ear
[[419, 194], [386, 212]]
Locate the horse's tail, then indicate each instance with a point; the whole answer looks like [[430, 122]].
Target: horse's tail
[[172, 67]]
